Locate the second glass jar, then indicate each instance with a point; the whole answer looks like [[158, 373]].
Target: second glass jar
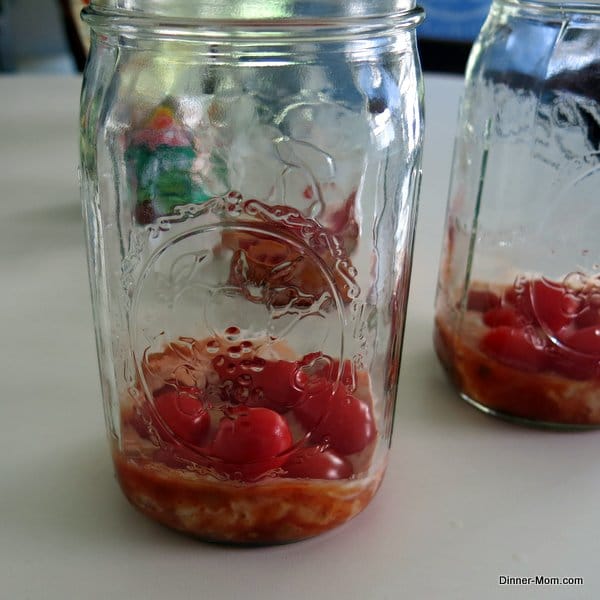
[[518, 304]]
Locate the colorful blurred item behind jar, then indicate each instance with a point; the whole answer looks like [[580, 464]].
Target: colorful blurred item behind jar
[[249, 177], [518, 304]]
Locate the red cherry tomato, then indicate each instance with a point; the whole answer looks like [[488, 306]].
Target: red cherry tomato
[[512, 295], [572, 363], [553, 304], [184, 413], [502, 315], [314, 404], [340, 420], [275, 386], [542, 302], [579, 368], [514, 348], [585, 340], [256, 382], [482, 300], [588, 317], [346, 376], [251, 441], [316, 463]]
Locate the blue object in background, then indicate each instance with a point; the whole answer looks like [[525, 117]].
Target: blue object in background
[[453, 20]]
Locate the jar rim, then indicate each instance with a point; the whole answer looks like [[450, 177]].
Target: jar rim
[[267, 11], [584, 6], [106, 16]]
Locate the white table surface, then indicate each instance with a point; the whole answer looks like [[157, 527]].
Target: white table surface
[[466, 499]]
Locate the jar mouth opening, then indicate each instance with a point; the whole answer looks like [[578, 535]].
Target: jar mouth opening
[[220, 18]]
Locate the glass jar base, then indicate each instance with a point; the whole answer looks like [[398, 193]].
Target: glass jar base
[[527, 422], [271, 512], [538, 400]]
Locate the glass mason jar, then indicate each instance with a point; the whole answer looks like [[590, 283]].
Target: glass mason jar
[[249, 176], [518, 304]]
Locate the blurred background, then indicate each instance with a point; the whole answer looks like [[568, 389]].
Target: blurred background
[[46, 36], [447, 34], [41, 36]]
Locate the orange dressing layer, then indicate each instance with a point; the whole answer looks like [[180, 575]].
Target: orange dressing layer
[[543, 397], [276, 510]]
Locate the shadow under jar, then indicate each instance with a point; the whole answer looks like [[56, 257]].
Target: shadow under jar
[[518, 304], [249, 178]]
